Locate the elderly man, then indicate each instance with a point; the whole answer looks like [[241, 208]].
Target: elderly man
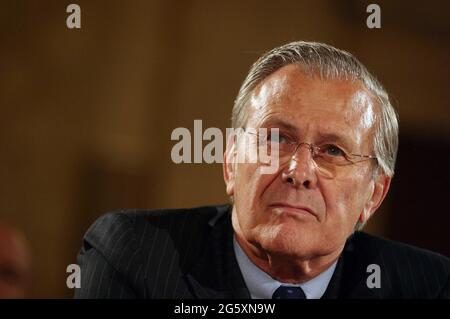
[[292, 233]]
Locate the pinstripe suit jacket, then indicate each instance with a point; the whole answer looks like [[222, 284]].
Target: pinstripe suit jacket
[[188, 253]]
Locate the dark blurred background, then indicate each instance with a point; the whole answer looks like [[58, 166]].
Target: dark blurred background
[[87, 114]]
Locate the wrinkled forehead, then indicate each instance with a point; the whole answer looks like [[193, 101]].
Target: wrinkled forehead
[[305, 99]]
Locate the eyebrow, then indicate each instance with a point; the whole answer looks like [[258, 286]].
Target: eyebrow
[[278, 123], [332, 137], [342, 140]]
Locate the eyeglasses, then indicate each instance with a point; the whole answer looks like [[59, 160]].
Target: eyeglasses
[[328, 157]]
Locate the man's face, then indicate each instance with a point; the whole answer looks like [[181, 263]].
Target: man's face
[[314, 216]]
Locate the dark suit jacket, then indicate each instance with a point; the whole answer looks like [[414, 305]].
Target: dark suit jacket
[[188, 253]]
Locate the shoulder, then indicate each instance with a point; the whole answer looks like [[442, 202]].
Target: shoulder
[[417, 271], [139, 221], [127, 231], [127, 252], [401, 251]]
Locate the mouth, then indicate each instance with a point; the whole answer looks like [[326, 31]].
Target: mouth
[[293, 208]]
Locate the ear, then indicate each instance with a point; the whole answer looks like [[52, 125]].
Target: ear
[[378, 192], [229, 164]]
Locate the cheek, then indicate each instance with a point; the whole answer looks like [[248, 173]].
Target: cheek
[[251, 183], [250, 186], [344, 201]]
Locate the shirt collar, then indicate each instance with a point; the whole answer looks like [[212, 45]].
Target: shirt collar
[[262, 286]]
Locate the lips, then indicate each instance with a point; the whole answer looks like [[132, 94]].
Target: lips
[[300, 209]]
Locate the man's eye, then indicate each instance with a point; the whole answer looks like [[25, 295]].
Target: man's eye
[[277, 138], [332, 150]]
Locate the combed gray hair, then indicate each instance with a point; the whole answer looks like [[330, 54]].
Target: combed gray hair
[[329, 63]]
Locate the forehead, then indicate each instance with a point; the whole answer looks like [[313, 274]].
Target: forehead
[[334, 106]]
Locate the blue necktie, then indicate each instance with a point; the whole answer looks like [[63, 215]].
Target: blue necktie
[[286, 292]]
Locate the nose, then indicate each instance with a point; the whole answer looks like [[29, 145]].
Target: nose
[[301, 168]]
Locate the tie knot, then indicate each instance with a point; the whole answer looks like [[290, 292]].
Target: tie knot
[[287, 292]]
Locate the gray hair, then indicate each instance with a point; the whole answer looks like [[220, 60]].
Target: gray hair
[[328, 62]]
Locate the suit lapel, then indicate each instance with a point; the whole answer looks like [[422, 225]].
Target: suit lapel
[[217, 274]]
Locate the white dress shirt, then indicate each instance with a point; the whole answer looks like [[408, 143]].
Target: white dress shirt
[[262, 286]]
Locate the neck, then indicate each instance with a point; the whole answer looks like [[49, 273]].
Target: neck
[[288, 269]]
